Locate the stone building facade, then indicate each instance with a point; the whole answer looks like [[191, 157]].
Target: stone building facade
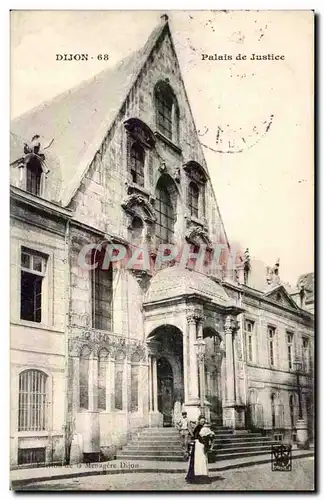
[[101, 347]]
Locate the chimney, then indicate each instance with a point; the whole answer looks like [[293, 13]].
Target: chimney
[[164, 18]]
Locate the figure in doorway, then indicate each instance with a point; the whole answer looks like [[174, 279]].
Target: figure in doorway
[[198, 460], [185, 429]]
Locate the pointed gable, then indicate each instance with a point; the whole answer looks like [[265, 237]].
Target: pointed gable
[[280, 295], [78, 119]]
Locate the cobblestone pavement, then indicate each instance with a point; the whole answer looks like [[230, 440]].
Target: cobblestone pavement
[[258, 477]]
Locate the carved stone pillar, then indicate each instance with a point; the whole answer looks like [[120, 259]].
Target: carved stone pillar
[[93, 383], [233, 414]]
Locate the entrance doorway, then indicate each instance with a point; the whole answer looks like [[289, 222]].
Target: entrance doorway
[[165, 390]]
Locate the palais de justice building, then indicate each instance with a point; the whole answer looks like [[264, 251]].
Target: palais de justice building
[[97, 354]]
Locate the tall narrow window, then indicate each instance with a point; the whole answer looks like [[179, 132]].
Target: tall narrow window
[[290, 349], [164, 225], [273, 410], [193, 199], [119, 375], [305, 354], [102, 298], [137, 161], [271, 344], [84, 378], [134, 383], [249, 327], [292, 410], [102, 376], [33, 269], [167, 113], [33, 177], [32, 401]]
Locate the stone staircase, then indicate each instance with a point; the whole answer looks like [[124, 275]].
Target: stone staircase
[[164, 444]]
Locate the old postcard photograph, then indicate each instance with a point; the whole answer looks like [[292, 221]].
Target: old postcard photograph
[[162, 287]]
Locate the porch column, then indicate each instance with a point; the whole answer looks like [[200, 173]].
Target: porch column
[[193, 376], [155, 388]]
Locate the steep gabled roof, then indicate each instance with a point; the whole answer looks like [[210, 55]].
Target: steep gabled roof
[[79, 119]]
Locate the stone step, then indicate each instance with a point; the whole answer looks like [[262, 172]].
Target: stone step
[[233, 452], [157, 441], [244, 444], [150, 446], [178, 458], [246, 454], [146, 453], [238, 439]]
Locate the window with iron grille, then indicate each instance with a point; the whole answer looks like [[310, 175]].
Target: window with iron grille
[[249, 328], [32, 401], [290, 349], [193, 199], [271, 345], [33, 269], [164, 225], [33, 177], [32, 456], [137, 162]]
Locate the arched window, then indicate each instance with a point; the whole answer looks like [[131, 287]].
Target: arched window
[[33, 176], [32, 401], [137, 161], [137, 228], [193, 199], [164, 225], [84, 378], [102, 376], [167, 113]]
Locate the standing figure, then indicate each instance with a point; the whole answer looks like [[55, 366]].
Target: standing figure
[[185, 430], [198, 460]]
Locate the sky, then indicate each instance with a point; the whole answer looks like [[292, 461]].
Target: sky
[[255, 118]]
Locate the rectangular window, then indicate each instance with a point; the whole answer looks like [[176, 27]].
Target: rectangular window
[[305, 354], [102, 298], [134, 388], [249, 329], [271, 344], [119, 368], [31, 456], [33, 269], [290, 349], [32, 402]]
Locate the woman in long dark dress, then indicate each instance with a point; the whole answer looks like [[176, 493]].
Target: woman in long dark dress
[[198, 461]]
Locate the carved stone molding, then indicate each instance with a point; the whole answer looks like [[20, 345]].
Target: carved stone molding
[[195, 233], [136, 204], [96, 341], [195, 171], [140, 132], [230, 325]]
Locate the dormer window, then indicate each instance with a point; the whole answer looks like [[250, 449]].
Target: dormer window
[[34, 176], [167, 113], [193, 199], [137, 162]]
